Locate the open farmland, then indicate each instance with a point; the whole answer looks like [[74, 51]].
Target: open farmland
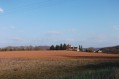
[[56, 55], [58, 65]]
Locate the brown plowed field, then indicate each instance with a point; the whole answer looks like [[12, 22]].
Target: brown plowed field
[[57, 55]]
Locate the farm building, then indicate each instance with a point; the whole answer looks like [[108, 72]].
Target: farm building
[[71, 48], [99, 51]]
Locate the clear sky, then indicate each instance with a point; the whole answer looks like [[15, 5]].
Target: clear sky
[[92, 23]]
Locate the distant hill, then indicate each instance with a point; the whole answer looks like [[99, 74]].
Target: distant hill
[[44, 47], [22, 48], [114, 49]]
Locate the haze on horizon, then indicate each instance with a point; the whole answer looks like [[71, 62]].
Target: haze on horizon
[[91, 23]]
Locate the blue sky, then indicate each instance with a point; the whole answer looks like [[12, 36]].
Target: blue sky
[[92, 23]]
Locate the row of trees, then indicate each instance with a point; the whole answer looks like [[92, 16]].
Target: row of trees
[[64, 47], [24, 48], [90, 50], [59, 47], [56, 47]]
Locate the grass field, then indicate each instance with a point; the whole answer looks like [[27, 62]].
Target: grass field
[[57, 55], [58, 65]]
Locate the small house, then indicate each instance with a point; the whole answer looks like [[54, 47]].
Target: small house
[[99, 51], [71, 48]]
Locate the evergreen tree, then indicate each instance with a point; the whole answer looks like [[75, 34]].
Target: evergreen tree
[[61, 47], [79, 47], [57, 47], [64, 47], [52, 47]]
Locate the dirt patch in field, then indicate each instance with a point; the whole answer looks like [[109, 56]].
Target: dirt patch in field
[[57, 55]]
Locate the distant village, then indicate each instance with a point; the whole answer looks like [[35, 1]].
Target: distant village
[[69, 47]]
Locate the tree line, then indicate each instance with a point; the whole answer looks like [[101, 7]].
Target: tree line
[[24, 48], [30, 48], [59, 47], [64, 47]]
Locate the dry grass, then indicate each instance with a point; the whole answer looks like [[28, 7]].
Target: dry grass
[[56, 55], [48, 65], [36, 69], [54, 69]]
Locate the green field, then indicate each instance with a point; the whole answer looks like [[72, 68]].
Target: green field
[[58, 69]]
